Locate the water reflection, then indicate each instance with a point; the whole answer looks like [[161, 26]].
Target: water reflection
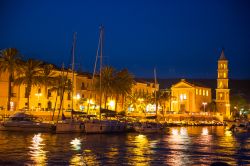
[[37, 153], [76, 144], [180, 146], [177, 145], [204, 131]]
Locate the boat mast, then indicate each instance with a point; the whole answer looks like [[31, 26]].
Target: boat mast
[[101, 47], [156, 105], [73, 77]]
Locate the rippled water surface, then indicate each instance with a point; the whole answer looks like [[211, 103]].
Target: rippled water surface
[[179, 146]]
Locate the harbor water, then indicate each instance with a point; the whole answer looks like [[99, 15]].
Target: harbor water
[[178, 146]]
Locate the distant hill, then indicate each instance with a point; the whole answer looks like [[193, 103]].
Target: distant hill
[[236, 86]]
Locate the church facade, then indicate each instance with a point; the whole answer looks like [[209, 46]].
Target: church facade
[[189, 97]]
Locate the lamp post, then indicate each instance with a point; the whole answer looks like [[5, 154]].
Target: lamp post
[[204, 105]]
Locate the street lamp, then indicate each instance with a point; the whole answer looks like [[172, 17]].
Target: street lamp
[[204, 105]]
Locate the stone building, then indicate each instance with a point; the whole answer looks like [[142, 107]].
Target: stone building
[[222, 91], [187, 97]]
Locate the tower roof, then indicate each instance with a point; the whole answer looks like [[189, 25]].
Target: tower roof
[[222, 55]]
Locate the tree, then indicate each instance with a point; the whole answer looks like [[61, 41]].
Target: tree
[[30, 75], [47, 77], [114, 82], [123, 85], [10, 58], [237, 102]]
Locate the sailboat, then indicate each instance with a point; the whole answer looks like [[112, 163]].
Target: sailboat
[[151, 127], [98, 125], [70, 125]]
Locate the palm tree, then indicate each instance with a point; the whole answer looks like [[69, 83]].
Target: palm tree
[[30, 72], [47, 77], [8, 63], [107, 82], [123, 85], [115, 83]]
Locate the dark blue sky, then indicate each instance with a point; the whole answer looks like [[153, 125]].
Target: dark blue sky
[[180, 38]]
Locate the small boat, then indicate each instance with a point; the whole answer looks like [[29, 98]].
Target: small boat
[[147, 127], [21, 121], [240, 128]]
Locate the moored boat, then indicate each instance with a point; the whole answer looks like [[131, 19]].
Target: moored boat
[[147, 127], [21, 121], [70, 127], [104, 126]]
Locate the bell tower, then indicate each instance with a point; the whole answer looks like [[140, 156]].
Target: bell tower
[[222, 91]]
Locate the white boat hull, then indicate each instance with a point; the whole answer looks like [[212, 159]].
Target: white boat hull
[[26, 126]]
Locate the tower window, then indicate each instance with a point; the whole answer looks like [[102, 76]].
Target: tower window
[[196, 91], [225, 66], [206, 92], [199, 91], [224, 75], [203, 92], [221, 85]]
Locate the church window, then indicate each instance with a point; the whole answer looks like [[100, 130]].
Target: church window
[[224, 75], [225, 66], [184, 96], [181, 97], [206, 92], [221, 66], [196, 91], [199, 91], [203, 92]]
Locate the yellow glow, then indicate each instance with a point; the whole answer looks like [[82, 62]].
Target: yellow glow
[[38, 155], [175, 132], [204, 131], [183, 131], [90, 101], [140, 99], [112, 103], [77, 97]]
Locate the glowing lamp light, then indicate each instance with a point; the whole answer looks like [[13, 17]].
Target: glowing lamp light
[[112, 103]]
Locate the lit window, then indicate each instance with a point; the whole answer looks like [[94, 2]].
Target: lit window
[[225, 75], [207, 93], [199, 91], [221, 95], [221, 66], [221, 85], [225, 66], [184, 96], [181, 97], [203, 92]]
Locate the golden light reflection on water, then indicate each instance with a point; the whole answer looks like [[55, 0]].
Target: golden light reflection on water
[[176, 143], [204, 131], [37, 153], [89, 157], [139, 154]]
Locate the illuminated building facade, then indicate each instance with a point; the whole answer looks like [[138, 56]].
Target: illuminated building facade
[[189, 98], [85, 98], [222, 91]]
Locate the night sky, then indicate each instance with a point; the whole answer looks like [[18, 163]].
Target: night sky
[[182, 39]]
